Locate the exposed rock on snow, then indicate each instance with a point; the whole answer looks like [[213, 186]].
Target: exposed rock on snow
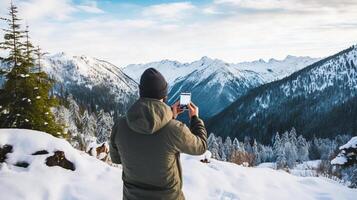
[[59, 159], [4, 150]]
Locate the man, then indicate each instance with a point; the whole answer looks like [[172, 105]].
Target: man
[[148, 143]]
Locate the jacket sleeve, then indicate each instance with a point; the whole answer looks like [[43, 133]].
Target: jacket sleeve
[[191, 141], [113, 149]]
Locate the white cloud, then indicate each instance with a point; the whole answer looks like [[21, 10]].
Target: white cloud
[[40, 9], [169, 11], [290, 5], [256, 4], [221, 30], [90, 7], [211, 10]]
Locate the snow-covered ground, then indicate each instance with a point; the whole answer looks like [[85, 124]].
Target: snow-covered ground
[[94, 179], [308, 168], [305, 169]]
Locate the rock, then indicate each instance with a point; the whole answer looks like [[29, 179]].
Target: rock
[[22, 164], [101, 152], [5, 150], [205, 160], [60, 160], [41, 152]]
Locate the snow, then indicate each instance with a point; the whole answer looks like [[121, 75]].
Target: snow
[[270, 165], [326, 75], [41, 182], [268, 71], [350, 144], [94, 179], [307, 168], [277, 69], [342, 157], [90, 72], [339, 160]]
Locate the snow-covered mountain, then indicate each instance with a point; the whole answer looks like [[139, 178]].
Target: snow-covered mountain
[[319, 100], [25, 173], [170, 69], [92, 81], [268, 70], [277, 69], [215, 84]]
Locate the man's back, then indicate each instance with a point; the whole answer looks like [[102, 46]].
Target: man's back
[[147, 143]]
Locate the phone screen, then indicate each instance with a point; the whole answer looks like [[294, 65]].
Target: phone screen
[[185, 99]]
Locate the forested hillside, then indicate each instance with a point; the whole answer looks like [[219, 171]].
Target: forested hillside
[[319, 100]]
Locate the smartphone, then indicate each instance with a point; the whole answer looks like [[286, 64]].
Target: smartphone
[[185, 99]]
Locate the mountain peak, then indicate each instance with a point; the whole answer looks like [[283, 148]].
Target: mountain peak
[[206, 59], [289, 57], [59, 54]]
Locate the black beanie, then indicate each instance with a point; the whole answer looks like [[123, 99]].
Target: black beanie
[[153, 84]]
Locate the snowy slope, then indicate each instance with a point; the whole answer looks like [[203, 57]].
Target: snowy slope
[[85, 73], [88, 71], [94, 179]]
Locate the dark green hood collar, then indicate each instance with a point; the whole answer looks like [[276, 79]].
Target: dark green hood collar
[[148, 115]]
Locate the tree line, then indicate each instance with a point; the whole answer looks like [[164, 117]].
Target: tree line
[[286, 150], [25, 99]]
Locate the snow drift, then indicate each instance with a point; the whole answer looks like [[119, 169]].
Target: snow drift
[[94, 179]]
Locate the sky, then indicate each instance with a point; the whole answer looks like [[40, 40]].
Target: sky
[[140, 31]]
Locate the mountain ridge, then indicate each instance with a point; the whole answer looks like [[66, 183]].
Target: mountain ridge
[[277, 107]]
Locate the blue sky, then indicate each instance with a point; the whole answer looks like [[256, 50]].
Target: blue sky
[[125, 32]]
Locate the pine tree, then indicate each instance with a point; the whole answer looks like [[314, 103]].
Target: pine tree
[[24, 104], [256, 153], [104, 126], [12, 38], [9, 94], [88, 126], [228, 148], [221, 150], [236, 145], [302, 149], [247, 145], [279, 152], [213, 146], [289, 148], [314, 150], [210, 140], [276, 144], [293, 136], [266, 153], [354, 178], [74, 110]]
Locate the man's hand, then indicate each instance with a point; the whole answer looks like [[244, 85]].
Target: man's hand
[[192, 110], [176, 110]]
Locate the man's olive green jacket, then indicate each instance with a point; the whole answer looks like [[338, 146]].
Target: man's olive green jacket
[[148, 143]]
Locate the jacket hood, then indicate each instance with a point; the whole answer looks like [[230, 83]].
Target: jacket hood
[[148, 115]]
